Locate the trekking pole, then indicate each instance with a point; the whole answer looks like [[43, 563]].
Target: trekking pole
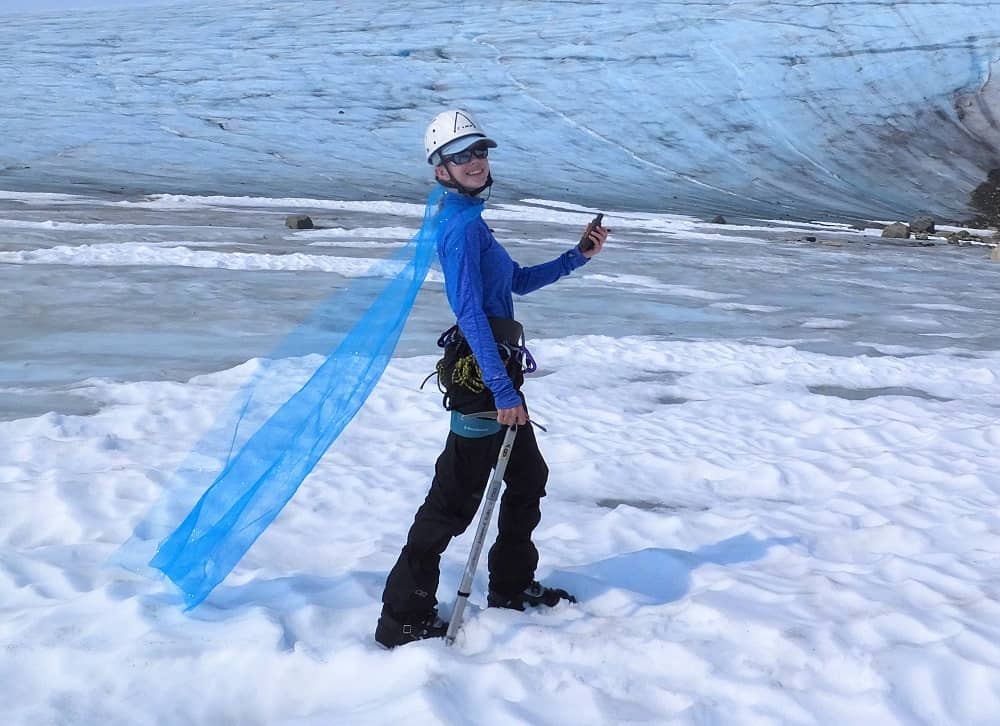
[[492, 491]]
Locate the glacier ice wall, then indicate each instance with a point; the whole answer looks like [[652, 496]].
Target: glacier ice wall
[[866, 109]]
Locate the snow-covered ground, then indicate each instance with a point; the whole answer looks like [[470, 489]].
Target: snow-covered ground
[[774, 479]]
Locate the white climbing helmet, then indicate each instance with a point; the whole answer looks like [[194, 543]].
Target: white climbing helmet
[[451, 128]]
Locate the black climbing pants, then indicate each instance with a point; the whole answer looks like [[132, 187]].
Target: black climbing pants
[[460, 479]]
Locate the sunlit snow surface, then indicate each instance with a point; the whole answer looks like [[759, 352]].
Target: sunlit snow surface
[[774, 475], [793, 109]]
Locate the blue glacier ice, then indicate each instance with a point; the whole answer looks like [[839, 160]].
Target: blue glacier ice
[[871, 109]]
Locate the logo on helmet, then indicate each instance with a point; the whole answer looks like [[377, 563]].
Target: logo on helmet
[[463, 122]]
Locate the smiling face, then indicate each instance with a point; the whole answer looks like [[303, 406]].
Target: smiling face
[[471, 175]]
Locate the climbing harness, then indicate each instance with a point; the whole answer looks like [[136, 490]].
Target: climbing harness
[[459, 377]]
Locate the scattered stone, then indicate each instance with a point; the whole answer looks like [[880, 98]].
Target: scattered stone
[[922, 224], [896, 230], [719, 219], [962, 237], [298, 221], [859, 227], [986, 200], [995, 254], [810, 239], [921, 235]]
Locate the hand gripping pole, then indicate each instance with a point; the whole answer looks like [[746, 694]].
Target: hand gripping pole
[[492, 492]]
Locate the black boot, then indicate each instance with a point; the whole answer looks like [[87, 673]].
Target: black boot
[[393, 629], [534, 595]]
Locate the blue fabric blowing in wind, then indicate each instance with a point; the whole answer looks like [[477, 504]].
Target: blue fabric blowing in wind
[[262, 476]]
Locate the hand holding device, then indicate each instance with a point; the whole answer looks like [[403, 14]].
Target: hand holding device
[[587, 244]]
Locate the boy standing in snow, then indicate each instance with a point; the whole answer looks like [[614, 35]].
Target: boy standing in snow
[[482, 370]]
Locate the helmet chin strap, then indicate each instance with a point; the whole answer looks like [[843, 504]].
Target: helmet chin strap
[[453, 183]]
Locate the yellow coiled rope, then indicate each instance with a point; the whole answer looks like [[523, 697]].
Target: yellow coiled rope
[[468, 374]]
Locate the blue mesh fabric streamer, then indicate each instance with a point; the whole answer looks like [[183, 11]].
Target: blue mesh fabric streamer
[[262, 476]]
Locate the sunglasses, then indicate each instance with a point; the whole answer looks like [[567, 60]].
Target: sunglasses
[[464, 157]]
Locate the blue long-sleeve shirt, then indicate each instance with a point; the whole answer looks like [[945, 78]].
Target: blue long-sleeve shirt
[[480, 277]]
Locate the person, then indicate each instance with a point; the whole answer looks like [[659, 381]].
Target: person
[[481, 370]]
